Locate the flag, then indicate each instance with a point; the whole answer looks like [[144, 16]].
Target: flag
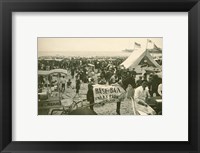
[[149, 41], [137, 45], [156, 47]]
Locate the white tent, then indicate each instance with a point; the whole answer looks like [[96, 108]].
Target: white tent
[[137, 57]]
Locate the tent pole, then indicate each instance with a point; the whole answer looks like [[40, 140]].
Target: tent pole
[[146, 46]]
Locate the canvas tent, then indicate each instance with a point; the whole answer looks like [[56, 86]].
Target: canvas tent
[[139, 57]]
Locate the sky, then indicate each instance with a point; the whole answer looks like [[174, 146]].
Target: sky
[[76, 46]]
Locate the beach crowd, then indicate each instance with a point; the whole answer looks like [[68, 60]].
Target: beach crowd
[[105, 71]]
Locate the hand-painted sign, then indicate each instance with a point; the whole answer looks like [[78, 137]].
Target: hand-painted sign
[[107, 92]]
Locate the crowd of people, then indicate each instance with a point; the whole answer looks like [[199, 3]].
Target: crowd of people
[[102, 71]]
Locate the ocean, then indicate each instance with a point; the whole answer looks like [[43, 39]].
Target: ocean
[[84, 53]]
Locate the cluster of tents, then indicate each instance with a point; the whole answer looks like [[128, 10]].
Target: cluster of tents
[[141, 59]]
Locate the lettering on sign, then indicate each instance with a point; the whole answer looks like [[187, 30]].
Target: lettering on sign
[[107, 92]]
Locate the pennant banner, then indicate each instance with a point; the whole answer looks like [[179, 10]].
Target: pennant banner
[[137, 44], [149, 40]]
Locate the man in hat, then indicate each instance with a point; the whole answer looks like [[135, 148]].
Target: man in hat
[[139, 81]]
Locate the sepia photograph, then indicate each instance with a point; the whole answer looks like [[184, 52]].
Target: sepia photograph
[[99, 75]]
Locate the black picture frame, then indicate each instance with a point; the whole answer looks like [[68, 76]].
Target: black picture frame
[[9, 6]]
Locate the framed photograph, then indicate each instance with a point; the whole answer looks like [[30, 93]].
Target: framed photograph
[[99, 76], [96, 75]]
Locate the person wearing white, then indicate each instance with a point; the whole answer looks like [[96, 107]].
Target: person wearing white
[[160, 89], [140, 96], [142, 92]]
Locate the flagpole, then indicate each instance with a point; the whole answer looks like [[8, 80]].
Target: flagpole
[[147, 44]]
